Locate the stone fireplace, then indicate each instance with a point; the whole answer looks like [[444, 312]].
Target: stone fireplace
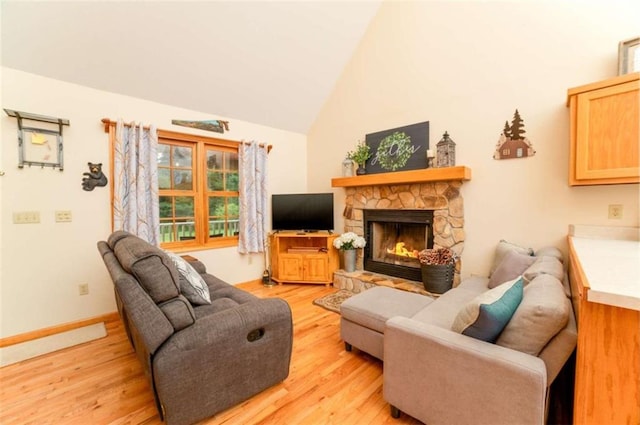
[[442, 210]]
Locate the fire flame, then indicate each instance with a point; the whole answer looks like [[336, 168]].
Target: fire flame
[[401, 251]]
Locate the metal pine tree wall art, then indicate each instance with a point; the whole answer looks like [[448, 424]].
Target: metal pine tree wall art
[[512, 142]]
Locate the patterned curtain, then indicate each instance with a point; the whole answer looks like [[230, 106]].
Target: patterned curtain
[[253, 197], [135, 193]]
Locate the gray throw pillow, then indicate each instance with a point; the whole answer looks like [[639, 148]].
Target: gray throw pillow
[[513, 265], [543, 312], [192, 285], [550, 251], [544, 265], [503, 249]]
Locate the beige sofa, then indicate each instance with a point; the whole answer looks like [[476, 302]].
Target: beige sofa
[[437, 373]]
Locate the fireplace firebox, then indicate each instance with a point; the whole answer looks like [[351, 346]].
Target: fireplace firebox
[[394, 239]]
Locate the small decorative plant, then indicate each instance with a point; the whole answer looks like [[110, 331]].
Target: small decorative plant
[[437, 257], [349, 240], [361, 153]]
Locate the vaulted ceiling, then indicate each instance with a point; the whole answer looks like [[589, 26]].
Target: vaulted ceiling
[[268, 62]]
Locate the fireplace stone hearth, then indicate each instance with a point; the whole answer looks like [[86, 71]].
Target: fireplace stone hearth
[[360, 281]]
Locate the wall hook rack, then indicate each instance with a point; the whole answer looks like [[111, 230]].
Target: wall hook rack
[[39, 145]]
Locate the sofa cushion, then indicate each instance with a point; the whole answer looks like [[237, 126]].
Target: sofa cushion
[[550, 251], [502, 249], [179, 312], [149, 264], [544, 265], [543, 312], [373, 307], [513, 264], [486, 316], [443, 311], [192, 285]]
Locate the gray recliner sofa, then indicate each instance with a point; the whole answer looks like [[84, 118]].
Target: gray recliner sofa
[[199, 359]]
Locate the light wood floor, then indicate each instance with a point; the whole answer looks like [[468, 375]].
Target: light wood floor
[[101, 382]]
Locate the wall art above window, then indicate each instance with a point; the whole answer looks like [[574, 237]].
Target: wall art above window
[[512, 142], [217, 126], [39, 144]]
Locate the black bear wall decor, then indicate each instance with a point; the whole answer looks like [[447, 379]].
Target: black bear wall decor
[[95, 177]]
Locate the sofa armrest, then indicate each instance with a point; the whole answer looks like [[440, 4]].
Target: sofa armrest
[[232, 325], [234, 354], [439, 377], [195, 263]]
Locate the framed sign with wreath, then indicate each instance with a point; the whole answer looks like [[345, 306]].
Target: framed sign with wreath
[[398, 149]]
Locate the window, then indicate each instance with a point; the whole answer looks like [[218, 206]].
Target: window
[[198, 184]]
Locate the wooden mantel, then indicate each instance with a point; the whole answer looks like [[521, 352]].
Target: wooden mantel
[[405, 177]]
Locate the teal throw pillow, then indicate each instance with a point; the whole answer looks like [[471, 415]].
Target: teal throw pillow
[[487, 315]]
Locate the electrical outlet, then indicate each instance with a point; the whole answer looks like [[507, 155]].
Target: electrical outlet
[[83, 289], [63, 216], [615, 211], [26, 217]]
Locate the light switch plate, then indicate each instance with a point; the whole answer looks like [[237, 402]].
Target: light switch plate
[[63, 216], [26, 217], [615, 211]]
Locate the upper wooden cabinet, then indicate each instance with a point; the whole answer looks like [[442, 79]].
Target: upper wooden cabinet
[[605, 137]]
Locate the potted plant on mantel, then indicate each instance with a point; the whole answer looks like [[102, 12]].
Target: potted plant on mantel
[[437, 267], [360, 155]]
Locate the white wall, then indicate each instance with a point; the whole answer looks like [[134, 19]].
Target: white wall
[[44, 263], [1, 197], [465, 67]]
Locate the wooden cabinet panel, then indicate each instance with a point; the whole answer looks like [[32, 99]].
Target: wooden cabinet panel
[[290, 267], [607, 365], [316, 268], [605, 134], [607, 384], [303, 257]]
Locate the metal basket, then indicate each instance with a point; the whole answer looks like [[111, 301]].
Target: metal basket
[[437, 279]]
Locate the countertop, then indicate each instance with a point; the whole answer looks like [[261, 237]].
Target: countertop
[[612, 269]]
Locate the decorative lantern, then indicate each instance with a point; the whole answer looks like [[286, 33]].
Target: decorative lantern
[[446, 152], [348, 167]]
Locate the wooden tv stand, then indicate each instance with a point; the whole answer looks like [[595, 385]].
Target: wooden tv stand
[[299, 257]]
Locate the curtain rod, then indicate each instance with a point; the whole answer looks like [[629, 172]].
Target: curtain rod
[[108, 123], [262, 145]]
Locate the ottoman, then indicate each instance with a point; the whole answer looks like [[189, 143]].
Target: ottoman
[[363, 316]]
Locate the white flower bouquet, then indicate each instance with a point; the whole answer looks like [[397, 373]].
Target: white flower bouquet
[[349, 240]]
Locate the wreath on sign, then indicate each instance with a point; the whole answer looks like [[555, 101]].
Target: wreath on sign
[[394, 151]]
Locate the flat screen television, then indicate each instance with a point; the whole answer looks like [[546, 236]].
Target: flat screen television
[[308, 212]]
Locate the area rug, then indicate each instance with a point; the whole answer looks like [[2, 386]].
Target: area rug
[[332, 301]]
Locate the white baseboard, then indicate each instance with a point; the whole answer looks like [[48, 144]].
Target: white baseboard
[[29, 349]]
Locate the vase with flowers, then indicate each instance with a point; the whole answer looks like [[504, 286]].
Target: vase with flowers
[[437, 267], [359, 155], [348, 243]]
